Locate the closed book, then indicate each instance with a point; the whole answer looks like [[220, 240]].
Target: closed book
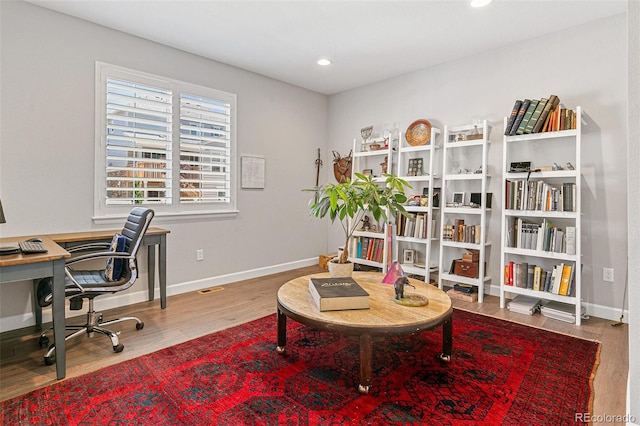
[[570, 239], [523, 124], [537, 277], [519, 117], [558, 269], [551, 105], [336, 294], [535, 116], [512, 117], [565, 280]]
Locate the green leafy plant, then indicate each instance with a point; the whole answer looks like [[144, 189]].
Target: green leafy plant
[[350, 201]]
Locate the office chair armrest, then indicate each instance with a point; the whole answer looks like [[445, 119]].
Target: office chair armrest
[[89, 246], [99, 255]]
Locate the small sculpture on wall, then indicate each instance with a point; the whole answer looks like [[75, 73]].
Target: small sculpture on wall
[[341, 166]]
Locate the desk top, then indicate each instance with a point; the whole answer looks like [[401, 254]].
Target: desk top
[[102, 234], [55, 252]]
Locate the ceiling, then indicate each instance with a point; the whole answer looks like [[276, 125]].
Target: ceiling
[[367, 41]]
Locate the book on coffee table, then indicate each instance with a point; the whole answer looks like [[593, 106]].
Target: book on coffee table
[[336, 294]]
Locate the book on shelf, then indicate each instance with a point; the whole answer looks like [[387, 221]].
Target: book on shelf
[[550, 106], [512, 117], [465, 288], [535, 116], [560, 279], [336, 294], [518, 120], [560, 311], [524, 304], [527, 116], [565, 280]]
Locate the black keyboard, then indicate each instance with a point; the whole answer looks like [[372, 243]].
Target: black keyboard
[[28, 247]]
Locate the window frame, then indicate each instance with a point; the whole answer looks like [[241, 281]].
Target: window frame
[[104, 212]]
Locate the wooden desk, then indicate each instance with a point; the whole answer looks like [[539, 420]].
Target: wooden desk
[[154, 237], [19, 267], [383, 318]]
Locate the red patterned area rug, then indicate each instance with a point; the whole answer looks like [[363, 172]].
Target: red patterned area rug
[[500, 373]]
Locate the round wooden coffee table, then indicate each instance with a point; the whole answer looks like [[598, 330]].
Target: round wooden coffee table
[[384, 316]]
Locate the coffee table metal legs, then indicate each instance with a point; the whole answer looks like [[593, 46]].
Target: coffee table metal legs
[[282, 332], [447, 340], [365, 363], [366, 348]]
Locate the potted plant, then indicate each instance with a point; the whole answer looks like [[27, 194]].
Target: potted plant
[[350, 201]]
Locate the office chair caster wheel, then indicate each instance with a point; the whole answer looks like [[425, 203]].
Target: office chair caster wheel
[[118, 348], [43, 341], [139, 326], [50, 360]]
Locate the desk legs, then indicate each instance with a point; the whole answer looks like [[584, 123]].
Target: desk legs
[[37, 309], [58, 318], [162, 270]]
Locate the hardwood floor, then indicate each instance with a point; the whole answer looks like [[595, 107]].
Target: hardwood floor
[[191, 315]]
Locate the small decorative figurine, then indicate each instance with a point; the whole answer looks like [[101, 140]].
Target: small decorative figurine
[[385, 164], [399, 287], [366, 224]]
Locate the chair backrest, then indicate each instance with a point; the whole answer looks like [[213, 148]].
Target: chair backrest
[[135, 227]]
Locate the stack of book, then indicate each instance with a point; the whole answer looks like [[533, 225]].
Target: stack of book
[[524, 305], [465, 292], [539, 115], [560, 311]]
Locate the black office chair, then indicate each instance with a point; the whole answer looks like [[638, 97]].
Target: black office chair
[[119, 274]]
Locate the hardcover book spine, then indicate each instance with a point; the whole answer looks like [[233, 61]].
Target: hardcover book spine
[[527, 116], [548, 108], [535, 116], [512, 117], [519, 117]]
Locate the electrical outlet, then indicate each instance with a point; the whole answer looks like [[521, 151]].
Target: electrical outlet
[[607, 275], [200, 254]]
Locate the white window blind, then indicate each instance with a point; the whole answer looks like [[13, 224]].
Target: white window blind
[[138, 144], [205, 150], [162, 143]]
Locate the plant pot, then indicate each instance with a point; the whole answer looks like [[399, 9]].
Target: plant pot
[[340, 270]]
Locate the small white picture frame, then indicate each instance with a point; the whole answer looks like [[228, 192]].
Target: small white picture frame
[[458, 198], [408, 256]]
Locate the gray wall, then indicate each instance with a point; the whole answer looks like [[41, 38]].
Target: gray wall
[[633, 395], [48, 144], [584, 66]]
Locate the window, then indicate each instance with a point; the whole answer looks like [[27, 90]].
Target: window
[[162, 143]]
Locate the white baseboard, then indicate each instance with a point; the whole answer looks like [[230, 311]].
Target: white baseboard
[[130, 297], [592, 309]]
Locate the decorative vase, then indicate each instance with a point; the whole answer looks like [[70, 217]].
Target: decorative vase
[[340, 270]]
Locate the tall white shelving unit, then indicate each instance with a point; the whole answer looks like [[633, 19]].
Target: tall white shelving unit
[[424, 182], [543, 150], [363, 158], [465, 152]]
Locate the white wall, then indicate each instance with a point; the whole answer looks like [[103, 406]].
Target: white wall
[[47, 152], [584, 66]]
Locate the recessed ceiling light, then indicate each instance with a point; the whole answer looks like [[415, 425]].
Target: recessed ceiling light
[[324, 62], [480, 3]]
